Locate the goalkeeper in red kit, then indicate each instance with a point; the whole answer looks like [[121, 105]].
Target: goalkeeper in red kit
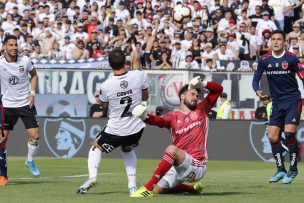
[[185, 160]]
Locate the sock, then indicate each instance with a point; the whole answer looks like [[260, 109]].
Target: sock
[[163, 167], [3, 163], [32, 148], [130, 160], [277, 151], [293, 148], [93, 162], [183, 188]]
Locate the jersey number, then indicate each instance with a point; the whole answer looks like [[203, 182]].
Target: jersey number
[[127, 100]]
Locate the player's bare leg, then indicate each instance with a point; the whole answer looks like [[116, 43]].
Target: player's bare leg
[[293, 149], [277, 151], [172, 155], [3, 160], [32, 146], [93, 166]]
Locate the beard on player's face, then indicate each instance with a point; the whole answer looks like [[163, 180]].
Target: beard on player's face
[[191, 104]]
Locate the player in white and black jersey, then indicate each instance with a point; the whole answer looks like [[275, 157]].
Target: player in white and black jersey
[[122, 92], [18, 99]]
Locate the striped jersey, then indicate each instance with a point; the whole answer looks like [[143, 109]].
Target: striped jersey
[[123, 93], [15, 83], [189, 131]]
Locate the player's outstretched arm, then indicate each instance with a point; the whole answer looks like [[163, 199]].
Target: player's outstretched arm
[[215, 90]]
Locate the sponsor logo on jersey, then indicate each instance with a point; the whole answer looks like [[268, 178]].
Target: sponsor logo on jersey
[[189, 127], [66, 137], [277, 65], [124, 84], [278, 72], [21, 69], [269, 66], [285, 65], [193, 116], [13, 80]]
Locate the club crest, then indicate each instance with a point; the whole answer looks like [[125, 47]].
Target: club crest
[[64, 136], [285, 65]]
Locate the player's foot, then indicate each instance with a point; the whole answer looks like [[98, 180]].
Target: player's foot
[[199, 187], [132, 190], [290, 175], [84, 188], [3, 180], [33, 168], [278, 176], [142, 192]]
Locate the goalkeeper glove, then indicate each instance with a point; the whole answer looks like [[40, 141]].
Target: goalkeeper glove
[[195, 83], [140, 111]]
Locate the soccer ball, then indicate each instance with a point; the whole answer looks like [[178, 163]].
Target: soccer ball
[[182, 13]]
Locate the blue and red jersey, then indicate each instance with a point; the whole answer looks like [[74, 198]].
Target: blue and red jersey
[[281, 74]]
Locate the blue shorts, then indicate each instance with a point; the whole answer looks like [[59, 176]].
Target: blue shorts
[[288, 112]]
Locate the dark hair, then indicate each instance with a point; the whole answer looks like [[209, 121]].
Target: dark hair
[[8, 37], [279, 32], [117, 59], [184, 89]]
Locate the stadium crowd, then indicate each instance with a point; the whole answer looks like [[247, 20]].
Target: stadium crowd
[[147, 33]]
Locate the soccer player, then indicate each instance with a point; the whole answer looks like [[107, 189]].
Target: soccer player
[[281, 68], [122, 92], [185, 160], [18, 100]]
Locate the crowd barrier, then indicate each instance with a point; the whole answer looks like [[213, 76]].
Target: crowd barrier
[[67, 138]]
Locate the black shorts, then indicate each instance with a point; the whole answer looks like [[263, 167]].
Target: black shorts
[[110, 142], [27, 115]]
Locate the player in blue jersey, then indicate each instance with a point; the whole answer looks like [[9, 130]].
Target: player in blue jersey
[[281, 68]]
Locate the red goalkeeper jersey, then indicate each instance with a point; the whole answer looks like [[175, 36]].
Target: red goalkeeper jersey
[[189, 131]]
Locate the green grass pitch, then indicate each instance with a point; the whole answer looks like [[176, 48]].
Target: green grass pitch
[[225, 181]]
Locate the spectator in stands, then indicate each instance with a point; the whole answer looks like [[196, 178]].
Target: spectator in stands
[[80, 34], [296, 31], [208, 52], [208, 65], [95, 53], [196, 50], [189, 63], [265, 23], [255, 44], [256, 16], [79, 52], [67, 48], [243, 39], [215, 19], [222, 53], [37, 54], [210, 37], [93, 40], [265, 46], [96, 111], [223, 24], [301, 42], [233, 45], [178, 55], [164, 63], [8, 24], [135, 57], [48, 37], [28, 44], [55, 53]]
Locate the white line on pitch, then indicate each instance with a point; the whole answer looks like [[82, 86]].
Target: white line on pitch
[[56, 177]]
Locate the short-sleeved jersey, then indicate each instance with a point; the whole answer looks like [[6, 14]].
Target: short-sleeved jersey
[[281, 75], [15, 83], [123, 93], [189, 131]]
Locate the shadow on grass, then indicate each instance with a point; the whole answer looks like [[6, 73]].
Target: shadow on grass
[[214, 194], [30, 182]]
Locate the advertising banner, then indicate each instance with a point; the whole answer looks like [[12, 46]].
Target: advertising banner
[[67, 138]]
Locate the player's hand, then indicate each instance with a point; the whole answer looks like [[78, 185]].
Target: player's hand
[[259, 93], [195, 83], [31, 99], [140, 111]]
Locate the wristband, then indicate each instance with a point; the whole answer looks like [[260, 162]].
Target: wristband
[[32, 93]]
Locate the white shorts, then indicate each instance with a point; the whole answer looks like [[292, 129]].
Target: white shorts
[[191, 170]]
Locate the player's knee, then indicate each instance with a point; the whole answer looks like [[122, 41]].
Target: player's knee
[[33, 142], [273, 137]]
